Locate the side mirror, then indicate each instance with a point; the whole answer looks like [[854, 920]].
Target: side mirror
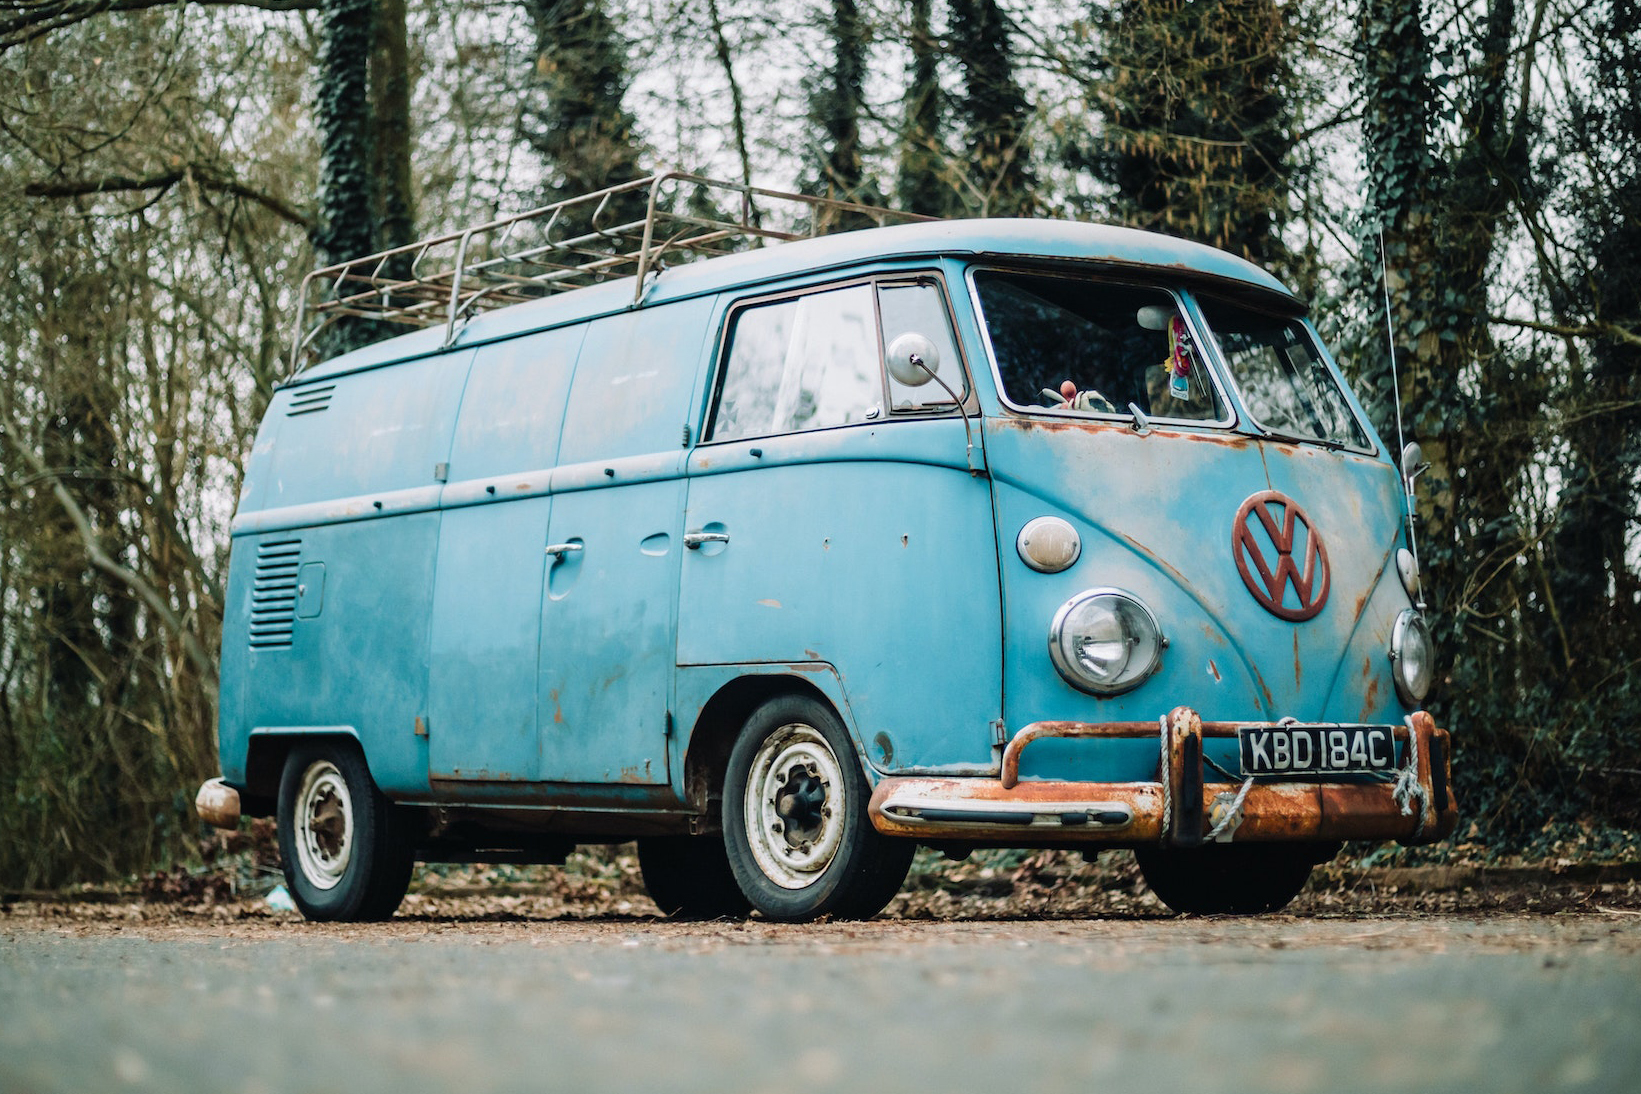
[[913, 359], [1412, 463]]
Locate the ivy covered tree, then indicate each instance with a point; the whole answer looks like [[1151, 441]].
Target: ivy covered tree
[[836, 166], [362, 110], [921, 184], [994, 112], [1595, 586], [1198, 122], [574, 115]]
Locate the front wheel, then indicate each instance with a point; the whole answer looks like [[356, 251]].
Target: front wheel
[[794, 816], [1229, 878], [346, 848]]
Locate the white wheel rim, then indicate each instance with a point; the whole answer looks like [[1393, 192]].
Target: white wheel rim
[[324, 825], [794, 807]]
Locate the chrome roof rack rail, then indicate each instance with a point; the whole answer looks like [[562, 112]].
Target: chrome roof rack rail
[[557, 248]]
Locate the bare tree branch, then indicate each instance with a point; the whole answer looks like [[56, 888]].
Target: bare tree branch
[[204, 177], [1587, 330], [37, 18]]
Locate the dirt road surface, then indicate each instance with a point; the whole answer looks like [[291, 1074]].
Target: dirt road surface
[[1388, 989]]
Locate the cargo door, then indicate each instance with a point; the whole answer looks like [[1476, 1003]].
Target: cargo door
[[838, 528], [486, 632], [604, 679]]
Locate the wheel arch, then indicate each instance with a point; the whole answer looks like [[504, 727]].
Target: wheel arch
[[266, 753], [715, 729]]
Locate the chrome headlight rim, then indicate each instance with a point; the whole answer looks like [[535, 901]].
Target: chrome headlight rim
[[1412, 691], [1130, 677]]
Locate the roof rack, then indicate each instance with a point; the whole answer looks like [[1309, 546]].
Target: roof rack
[[567, 245]]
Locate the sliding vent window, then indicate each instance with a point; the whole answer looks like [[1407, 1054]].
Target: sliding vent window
[[806, 363], [919, 309]]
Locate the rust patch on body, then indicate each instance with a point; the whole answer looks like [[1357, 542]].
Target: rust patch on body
[[558, 715], [1213, 670], [632, 776]]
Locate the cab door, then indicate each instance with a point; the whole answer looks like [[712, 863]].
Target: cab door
[[837, 527]]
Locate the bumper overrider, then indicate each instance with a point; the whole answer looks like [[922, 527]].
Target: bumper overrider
[[1182, 808]]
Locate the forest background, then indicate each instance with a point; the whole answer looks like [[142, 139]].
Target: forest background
[[170, 170]]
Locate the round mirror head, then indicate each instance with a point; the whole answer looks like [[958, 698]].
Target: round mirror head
[[1412, 457], [1154, 316], [913, 360]]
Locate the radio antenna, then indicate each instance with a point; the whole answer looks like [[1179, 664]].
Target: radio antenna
[[1407, 475]]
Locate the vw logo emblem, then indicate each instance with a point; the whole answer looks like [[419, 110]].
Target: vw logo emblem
[[1277, 550]]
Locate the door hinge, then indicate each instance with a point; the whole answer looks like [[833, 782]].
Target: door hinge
[[667, 732], [999, 733], [421, 726]]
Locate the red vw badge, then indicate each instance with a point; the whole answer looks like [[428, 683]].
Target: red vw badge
[[1275, 547]]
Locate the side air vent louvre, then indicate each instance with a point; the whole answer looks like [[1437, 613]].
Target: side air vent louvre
[[311, 400], [273, 594]]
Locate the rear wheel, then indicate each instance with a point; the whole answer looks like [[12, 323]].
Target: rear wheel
[[1229, 878], [346, 848], [689, 877], [795, 824]]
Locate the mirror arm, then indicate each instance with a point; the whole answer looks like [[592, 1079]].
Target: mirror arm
[[968, 434]]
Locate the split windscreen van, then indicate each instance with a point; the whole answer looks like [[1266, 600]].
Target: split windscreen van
[[784, 560]]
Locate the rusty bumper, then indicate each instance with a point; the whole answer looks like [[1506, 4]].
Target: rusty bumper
[[1181, 808], [218, 804]]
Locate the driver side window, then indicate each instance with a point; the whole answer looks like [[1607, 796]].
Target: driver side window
[[817, 361], [809, 362]]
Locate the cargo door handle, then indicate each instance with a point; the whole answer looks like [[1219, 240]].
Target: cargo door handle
[[559, 550], [693, 540]]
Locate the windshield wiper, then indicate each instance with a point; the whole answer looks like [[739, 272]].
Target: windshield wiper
[[1294, 438]]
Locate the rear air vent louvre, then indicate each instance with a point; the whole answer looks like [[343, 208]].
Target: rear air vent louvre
[[273, 594], [310, 400]]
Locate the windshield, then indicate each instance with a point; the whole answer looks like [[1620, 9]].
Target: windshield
[[1279, 370], [1088, 347]]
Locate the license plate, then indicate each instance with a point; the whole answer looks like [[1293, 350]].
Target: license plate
[[1317, 750]]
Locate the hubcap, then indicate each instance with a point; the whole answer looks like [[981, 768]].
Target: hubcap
[[794, 806], [324, 825]]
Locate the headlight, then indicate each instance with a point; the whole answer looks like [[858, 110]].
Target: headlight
[[1104, 641], [1412, 657]]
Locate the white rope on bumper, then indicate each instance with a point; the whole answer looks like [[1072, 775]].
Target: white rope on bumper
[[1233, 815], [1408, 788], [1167, 775]]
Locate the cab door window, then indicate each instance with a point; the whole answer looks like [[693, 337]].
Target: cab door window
[[804, 363], [816, 361]]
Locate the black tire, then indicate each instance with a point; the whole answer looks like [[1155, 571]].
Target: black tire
[[1228, 878], [796, 830], [689, 877], [346, 849]]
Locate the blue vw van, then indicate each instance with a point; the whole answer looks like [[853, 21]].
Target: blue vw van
[[783, 560]]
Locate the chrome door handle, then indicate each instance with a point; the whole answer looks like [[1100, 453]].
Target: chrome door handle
[[693, 540], [559, 550]]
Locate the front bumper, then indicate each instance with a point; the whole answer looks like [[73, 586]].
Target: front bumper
[[1181, 808]]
